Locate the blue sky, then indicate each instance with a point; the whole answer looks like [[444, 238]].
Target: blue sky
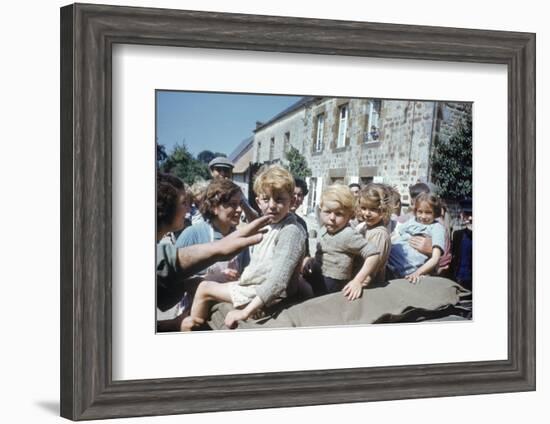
[[213, 121]]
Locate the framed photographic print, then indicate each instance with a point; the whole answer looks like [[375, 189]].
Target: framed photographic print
[[337, 94], [344, 150]]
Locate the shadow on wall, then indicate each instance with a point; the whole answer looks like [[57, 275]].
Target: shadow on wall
[[50, 406]]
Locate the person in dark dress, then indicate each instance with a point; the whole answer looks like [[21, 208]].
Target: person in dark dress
[[461, 265]]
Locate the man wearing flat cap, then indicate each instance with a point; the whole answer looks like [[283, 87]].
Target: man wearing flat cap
[[222, 167]]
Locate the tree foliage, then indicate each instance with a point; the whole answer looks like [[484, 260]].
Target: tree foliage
[[296, 163], [452, 162], [161, 154], [206, 156], [180, 162]]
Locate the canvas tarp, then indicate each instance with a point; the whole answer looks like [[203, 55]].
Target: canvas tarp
[[393, 301]]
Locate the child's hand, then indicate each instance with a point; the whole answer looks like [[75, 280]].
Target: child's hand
[[442, 270], [231, 274], [414, 277], [307, 266], [353, 290], [233, 317]]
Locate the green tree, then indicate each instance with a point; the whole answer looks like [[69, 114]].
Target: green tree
[[206, 156], [181, 163], [452, 162], [161, 154], [297, 164]]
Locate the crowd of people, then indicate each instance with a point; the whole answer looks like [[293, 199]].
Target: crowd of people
[[207, 254]]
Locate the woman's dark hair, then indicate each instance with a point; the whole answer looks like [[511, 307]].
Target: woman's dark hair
[[218, 192], [302, 184], [170, 179], [417, 189], [168, 190]]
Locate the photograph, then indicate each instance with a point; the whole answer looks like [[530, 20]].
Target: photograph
[[301, 211]]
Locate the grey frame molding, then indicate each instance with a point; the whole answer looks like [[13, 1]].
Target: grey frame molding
[[88, 33]]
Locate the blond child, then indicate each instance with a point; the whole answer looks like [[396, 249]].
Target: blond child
[[273, 272], [339, 245], [405, 260], [198, 193], [375, 205]]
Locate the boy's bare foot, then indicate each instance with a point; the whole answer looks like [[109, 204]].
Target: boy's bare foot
[[188, 323], [233, 317]]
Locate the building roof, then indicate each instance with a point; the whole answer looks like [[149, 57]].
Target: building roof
[[241, 149], [299, 104], [242, 164]]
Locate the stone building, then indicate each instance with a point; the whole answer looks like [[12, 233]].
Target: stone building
[[359, 140], [241, 157]]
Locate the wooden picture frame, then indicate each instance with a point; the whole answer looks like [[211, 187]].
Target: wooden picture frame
[[88, 33]]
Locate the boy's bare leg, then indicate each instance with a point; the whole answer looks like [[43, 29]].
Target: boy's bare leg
[[207, 292]]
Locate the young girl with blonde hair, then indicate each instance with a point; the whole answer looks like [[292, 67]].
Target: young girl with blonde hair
[[375, 205]]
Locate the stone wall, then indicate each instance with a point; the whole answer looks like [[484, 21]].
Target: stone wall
[[406, 137], [291, 124], [399, 157]]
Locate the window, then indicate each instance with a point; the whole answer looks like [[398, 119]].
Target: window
[[319, 133], [312, 196], [315, 190], [287, 141], [258, 151], [342, 126], [271, 148], [373, 130]]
